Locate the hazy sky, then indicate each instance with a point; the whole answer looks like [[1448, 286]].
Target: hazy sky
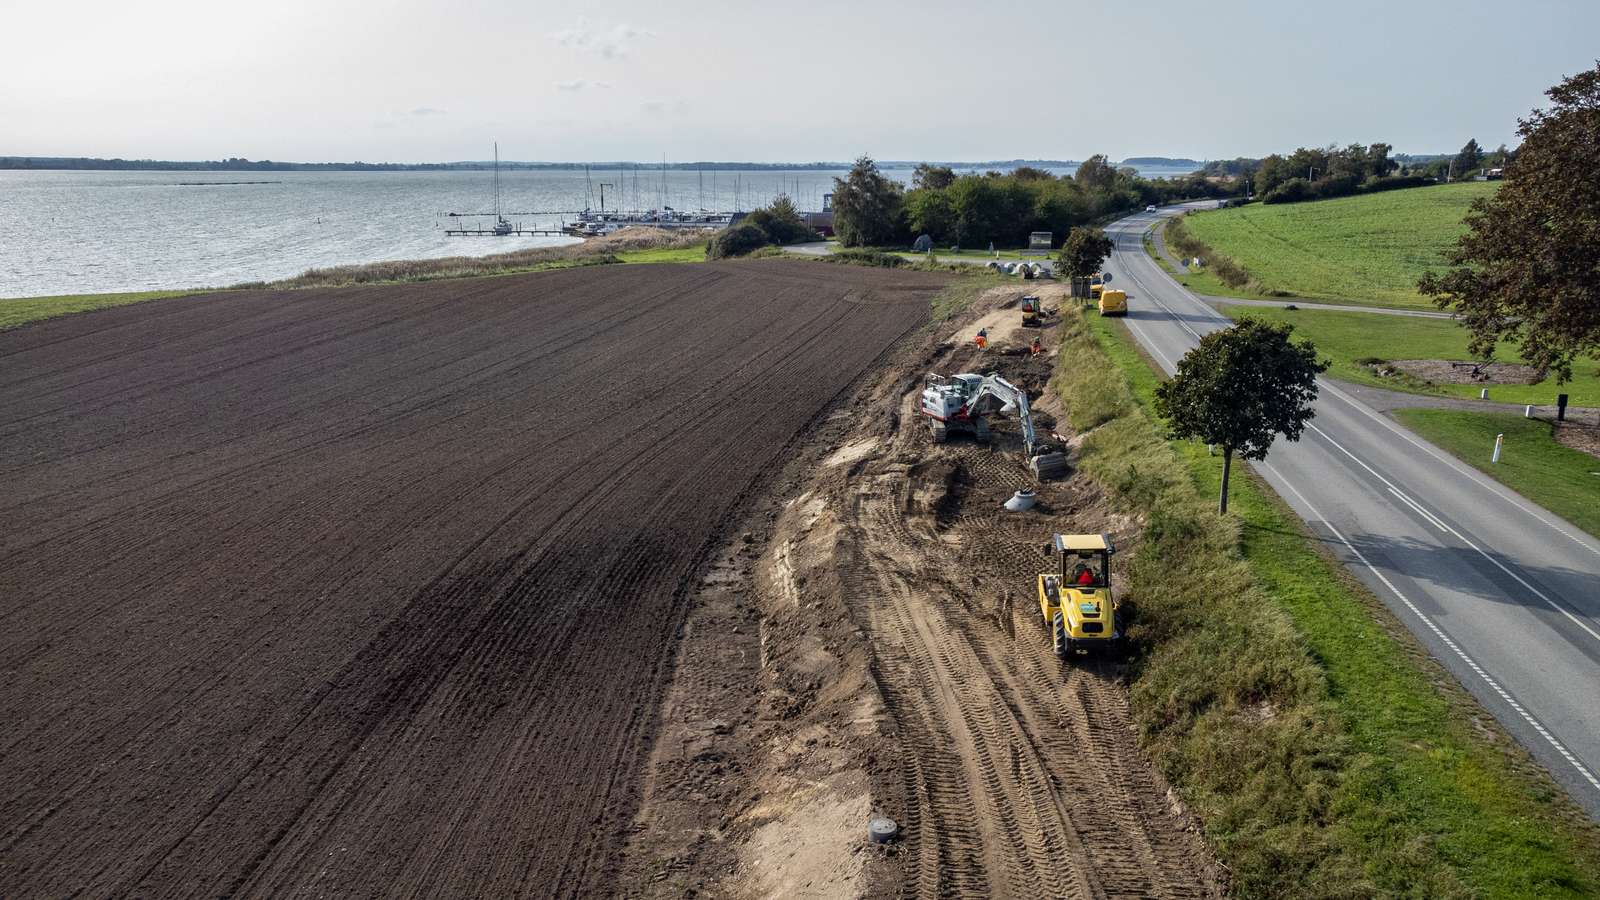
[[410, 80]]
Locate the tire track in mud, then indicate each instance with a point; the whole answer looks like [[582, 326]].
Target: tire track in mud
[[1021, 776], [404, 631]]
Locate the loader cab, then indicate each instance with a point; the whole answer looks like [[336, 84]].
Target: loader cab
[[1076, 600]]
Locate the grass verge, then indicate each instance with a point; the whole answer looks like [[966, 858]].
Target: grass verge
[[1325, 753], [1534, 463], [1344, 337], [31, 309]]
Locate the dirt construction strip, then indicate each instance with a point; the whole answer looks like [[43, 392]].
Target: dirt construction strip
[[887, 657], [373, 592]]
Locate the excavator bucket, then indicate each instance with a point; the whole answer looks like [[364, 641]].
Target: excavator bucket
[[1048, 465]]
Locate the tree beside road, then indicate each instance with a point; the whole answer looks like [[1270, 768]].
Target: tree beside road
[[1241, 388], [1528, 269]]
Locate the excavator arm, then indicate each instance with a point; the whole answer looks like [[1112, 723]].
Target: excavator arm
[[995, 394]]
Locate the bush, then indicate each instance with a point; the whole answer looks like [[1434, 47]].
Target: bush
[[878, 258], [1294, 190], [1374, 183], [782, 222], [737, 240]]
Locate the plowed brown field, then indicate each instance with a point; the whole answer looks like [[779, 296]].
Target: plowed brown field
[[374, 591]]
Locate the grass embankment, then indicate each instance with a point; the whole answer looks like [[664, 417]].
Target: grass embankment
[[1534, 464], [1344, 337], [29, 309], [1323, 750], [1366, 250]]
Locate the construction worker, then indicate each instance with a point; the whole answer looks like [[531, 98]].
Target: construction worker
[[1035, 348], [982, 339]]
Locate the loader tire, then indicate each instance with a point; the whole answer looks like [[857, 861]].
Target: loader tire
[[1058, 636]]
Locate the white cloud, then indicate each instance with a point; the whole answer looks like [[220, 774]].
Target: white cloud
[[615, 42], [578, 84], [427, 111]]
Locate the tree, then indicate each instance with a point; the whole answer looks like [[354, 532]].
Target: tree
[[1240, 389], [932, 177], [1468, 158], [1083, 251], [1528, 268], [1096, 173], [1029, 173], [866, 206]]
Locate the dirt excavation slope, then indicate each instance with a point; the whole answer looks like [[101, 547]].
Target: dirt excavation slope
[[374, 591], [875, 647]]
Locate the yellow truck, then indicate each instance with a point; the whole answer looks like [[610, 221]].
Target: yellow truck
[[1078, 607], [1113, 303]]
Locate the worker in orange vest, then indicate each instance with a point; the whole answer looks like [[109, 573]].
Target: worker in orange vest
[[982, 339]]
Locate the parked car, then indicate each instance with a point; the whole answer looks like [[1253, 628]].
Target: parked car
[[1150, 208]]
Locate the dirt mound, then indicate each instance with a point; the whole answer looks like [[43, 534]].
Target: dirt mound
[[375, 591], [1579, 437], [1445, 371]]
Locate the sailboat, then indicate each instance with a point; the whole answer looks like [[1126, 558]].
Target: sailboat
[[501, 226]]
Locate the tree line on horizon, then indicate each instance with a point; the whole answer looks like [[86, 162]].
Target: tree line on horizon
[[973, 209]]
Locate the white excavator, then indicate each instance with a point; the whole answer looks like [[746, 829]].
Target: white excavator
[[962, 403]]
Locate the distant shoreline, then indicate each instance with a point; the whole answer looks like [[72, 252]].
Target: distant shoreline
[[67, 163]]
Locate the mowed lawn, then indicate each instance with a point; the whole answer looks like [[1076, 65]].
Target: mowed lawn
[[1532, 462], [1344, 337], [1368, 250]]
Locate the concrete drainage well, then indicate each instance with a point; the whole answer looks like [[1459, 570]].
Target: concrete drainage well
[[1023, 499], [882, 831]]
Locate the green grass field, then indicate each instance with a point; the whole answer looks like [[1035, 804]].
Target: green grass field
[[1342, 337], [1367, 250], [30, 309], [1375, 775], [664, 255], [1535, 465]]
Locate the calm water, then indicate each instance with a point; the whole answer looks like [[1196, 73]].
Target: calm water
[[89, 232]]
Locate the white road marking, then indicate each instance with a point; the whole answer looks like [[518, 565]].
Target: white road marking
[[1464, 539], [1494, 685], [1420, 511]]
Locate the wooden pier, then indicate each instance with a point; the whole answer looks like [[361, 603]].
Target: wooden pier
[[491, 232]]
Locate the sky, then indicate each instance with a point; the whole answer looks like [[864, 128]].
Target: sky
[[422, 81]]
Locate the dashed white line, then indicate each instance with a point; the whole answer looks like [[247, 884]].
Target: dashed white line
[[1465, 540], [1488, 679]]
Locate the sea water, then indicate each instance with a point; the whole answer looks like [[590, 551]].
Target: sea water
[[81, 232]]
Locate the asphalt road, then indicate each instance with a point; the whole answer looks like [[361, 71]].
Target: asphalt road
[[1504, 593]]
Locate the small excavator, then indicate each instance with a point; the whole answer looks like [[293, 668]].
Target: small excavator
[[962, 403], [1032, 312], [1077, 604]]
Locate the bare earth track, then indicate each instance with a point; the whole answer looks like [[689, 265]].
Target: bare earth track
[[374, 591], [885, 655]]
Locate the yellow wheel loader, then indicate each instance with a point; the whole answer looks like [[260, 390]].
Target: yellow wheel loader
[[1077, 603]]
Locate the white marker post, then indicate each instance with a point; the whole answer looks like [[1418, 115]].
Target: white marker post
[[1499, 441]]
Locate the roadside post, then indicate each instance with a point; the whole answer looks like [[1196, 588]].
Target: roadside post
[[1527, 411], [1499, 442]]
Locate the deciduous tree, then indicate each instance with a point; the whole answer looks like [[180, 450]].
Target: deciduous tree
[[1528, 268], [1083, 251], [1240, 389]]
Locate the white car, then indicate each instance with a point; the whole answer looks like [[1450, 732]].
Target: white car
[[1150, 208]]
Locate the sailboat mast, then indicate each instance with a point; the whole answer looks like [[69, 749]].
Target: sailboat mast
[[497, 181]]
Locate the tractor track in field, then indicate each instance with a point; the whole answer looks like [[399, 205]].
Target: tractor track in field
[[374, 591], [891, 660]]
